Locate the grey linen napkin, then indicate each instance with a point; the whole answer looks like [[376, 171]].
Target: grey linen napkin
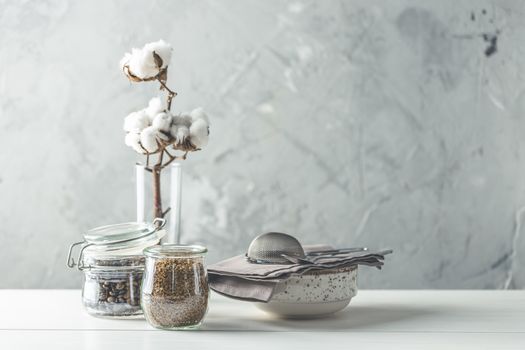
[[237, 278]]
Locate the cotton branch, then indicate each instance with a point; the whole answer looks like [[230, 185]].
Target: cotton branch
[[153, 130], [171, 94]]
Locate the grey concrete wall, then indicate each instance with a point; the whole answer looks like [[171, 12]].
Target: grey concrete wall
[[381, 123]]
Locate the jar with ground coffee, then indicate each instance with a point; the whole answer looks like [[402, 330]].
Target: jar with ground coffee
[[113, 265], [175, 286]]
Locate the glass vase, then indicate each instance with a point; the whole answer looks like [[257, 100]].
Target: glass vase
[[170, 184]]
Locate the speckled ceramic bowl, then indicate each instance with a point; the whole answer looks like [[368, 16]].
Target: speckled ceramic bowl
[[316, 293]]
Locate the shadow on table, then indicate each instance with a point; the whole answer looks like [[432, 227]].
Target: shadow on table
[[352, 318]]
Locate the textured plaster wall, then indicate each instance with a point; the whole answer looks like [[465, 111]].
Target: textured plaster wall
[[381, 123]]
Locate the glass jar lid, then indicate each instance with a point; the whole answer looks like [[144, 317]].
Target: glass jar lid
[[119, 240], [175, 251], [112, 234]]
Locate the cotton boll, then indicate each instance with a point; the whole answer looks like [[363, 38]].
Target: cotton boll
[[186, 120], [198, 113], [163, 135], [133, 140], [161, 48], [173, 131], [148, 139], [183, 119], [141, 63], [162, 121], [154, 107], [199, 133], [136, 122], [182, 133]]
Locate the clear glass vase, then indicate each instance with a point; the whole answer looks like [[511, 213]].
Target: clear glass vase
[[170, 182]]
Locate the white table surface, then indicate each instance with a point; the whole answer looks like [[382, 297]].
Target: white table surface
[[54, 319]]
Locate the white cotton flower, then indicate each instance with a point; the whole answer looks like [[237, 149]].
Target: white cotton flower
[[199, 133], [136, 122], [173, 130], [161, 48], [182, 119], [142, 64], [162, 121], [132, 140], [148, 139], [182, 133], [163, 135], [154, 107], [198, 113]]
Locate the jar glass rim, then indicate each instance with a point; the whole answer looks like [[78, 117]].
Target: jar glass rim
[[119, 233], [175, 250]]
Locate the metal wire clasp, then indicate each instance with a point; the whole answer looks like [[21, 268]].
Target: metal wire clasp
[[159, 223], [70, 261]]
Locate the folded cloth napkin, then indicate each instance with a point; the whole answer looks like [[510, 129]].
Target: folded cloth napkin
[[242, 289], [238, 278]]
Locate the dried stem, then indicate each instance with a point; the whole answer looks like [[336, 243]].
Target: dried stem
[[172, 158], [166, 211], [157, 200], [157, 197], [171, 94], [157, 168]]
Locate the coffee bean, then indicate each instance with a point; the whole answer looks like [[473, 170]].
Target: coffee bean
[[113, 288]]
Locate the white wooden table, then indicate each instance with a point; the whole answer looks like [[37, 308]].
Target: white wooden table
[[54, 319]]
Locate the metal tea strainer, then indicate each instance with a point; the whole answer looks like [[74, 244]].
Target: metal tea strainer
[[269, 248], [281, 248]]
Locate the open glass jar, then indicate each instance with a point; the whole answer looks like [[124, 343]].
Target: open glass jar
[[113, 265], [175, 286]]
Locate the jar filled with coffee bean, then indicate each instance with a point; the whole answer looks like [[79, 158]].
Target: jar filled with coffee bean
[[113, 265], [175, 286]]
